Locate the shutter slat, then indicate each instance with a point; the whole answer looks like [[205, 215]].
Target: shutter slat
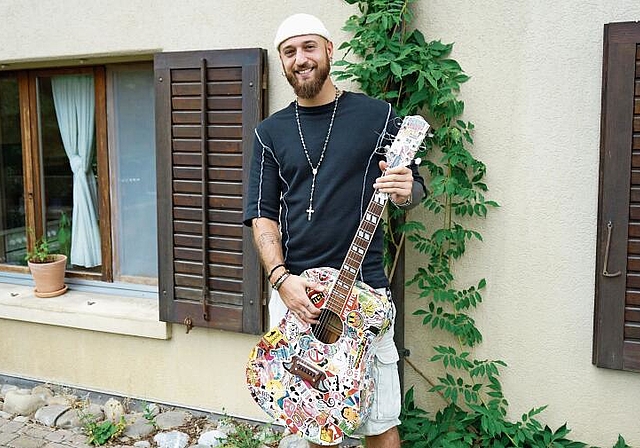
[[213, 74], [634, 195], [195, 241], [193, 200], [187, 131], [188, 267], [182, 103], [633, 247], [220, 146], [222, 230], [229, 216], [193, 173], [215, 283], [632, 314], [633, 280], [189, 254], [633, 264], [632, 298], [634, 230], [632, 331], [220, 188], [193, 89], [214, 117], [215, 160]]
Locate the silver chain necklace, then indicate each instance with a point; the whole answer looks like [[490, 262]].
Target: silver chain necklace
[[314, 169]]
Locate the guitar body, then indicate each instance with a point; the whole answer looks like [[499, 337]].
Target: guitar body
[[317, 379]]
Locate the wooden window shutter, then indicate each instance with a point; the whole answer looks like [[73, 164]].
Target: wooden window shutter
[[207, 106], [617, 300]]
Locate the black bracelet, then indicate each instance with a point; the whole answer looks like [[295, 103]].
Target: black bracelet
[[281, 265], [276, 285]]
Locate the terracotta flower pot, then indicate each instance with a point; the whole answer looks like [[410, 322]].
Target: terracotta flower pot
[[49, 276]]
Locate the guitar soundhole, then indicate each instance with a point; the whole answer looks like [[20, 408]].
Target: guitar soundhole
[[329, 327]]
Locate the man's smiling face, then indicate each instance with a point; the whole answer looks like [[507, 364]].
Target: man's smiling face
[[305, 61]]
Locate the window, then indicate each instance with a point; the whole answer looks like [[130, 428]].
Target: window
[[617, 301], [146, 166], [56, 164]]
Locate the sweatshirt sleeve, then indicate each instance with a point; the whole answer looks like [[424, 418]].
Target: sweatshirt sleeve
[[264, 189]]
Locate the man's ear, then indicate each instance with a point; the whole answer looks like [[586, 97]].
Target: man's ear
[[329, 49]]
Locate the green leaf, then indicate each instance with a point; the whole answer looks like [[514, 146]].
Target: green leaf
[[396, 69]]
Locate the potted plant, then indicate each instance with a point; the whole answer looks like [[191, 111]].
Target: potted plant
[[47, 269]]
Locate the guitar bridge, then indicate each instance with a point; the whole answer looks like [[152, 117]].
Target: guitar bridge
[[307, 371]]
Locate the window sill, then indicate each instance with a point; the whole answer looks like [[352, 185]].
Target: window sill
[[77, 308]]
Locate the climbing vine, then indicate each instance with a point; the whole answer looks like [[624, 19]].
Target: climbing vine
[[392, 61]]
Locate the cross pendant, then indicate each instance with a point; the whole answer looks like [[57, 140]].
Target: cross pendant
[[309, 212]]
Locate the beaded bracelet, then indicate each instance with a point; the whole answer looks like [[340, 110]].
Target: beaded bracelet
[[276, 285], [406, 203], [281, 265]]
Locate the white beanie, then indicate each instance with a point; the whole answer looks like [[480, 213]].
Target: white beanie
[[299, 25]]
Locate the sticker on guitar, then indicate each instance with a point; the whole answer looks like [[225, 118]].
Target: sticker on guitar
[[316, 379]]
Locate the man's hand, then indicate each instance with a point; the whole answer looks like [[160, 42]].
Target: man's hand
[[397, 183], [294, 295]]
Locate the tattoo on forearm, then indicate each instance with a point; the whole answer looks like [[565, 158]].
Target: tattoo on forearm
[[268, 239]]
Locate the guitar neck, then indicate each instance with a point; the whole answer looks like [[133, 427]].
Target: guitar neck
[[357, 250]]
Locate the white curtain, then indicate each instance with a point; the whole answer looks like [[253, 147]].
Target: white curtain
[[74, 101]]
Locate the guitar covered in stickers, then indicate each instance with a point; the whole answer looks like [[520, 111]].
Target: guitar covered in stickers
[[316, 379]]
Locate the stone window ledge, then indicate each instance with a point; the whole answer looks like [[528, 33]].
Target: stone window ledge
[[80, 307]]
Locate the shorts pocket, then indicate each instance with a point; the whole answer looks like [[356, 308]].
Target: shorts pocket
[[387, 391]]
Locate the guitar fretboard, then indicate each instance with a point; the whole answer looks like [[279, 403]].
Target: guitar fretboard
[[357, 250]]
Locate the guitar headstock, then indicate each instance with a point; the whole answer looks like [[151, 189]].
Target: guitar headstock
[[412, 132]]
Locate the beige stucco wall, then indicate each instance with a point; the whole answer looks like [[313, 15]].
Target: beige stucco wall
[[534, 96]]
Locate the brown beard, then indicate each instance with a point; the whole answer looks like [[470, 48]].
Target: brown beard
[[311, 88]]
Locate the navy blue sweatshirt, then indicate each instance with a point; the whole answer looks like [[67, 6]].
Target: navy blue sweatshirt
[[280, 180]]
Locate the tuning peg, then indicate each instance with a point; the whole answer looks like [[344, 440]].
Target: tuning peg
[[417, 160]]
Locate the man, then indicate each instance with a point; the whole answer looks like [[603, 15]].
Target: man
[[315, 166]]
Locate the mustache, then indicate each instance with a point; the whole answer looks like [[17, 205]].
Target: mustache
[[304, 66]]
